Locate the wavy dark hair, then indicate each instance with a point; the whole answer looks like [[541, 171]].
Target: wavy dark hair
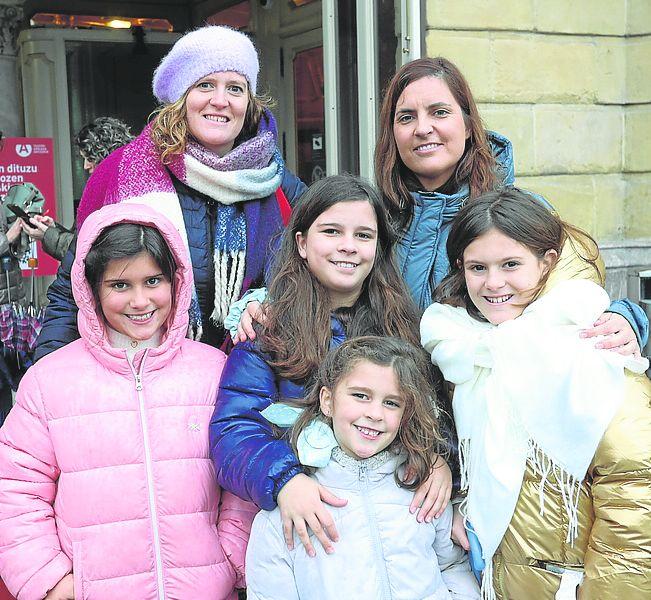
[[477, 166], [418, 435], [520, 216], [297, 330], [99, 138]]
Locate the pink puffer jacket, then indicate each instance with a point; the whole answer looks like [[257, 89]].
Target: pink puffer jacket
[[108, 474]]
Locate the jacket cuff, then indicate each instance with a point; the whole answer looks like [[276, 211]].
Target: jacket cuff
[[635, 316], [236, 309], [283, 479], [49, 240]]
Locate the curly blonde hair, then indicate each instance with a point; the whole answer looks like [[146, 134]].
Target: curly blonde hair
[[170, 132]]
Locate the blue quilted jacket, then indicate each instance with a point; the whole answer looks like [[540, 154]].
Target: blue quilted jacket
[[249, 460], [60, 324], [421, 251]]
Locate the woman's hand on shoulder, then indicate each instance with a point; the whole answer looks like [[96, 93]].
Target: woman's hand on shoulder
[[64, 590], [619, 335], [301, 503], [252, 314], [434, 493]]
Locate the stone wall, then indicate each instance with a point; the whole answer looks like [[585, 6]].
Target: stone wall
[[570, 84]]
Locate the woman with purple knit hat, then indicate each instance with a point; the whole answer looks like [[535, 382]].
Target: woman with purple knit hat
[[208, 161]]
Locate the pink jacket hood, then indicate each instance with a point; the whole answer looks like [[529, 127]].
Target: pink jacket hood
[[92, 327]]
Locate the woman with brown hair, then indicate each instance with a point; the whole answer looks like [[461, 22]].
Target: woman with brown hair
[[432, 156]]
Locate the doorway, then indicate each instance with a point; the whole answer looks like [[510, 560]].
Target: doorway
[[303, 138]]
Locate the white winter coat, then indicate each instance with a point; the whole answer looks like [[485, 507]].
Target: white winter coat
[[383, 552]]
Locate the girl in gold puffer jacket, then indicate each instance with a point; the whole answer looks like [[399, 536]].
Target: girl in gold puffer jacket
[[555, 436]]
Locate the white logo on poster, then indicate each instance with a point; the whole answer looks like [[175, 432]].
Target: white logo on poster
[[23, 150]]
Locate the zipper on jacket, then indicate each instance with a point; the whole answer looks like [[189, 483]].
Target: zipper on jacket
[[375, 534], [150, 477]]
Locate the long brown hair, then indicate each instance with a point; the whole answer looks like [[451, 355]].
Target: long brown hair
[[520, 216], [169, 129], [297, 330], [418, 435], [477, 166]]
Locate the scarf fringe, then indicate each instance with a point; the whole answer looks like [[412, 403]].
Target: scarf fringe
[[568, 486], [487, 589], [229, 276], [464, 462], [195, 331]]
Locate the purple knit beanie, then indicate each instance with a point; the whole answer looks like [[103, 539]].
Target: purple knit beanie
[[211, 49]]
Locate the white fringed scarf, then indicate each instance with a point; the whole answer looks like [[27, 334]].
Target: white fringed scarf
[[527, 389]]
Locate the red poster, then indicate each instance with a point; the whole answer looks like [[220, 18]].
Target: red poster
[[31, 160]]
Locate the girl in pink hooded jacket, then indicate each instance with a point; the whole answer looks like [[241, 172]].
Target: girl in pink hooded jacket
[[107, 489]]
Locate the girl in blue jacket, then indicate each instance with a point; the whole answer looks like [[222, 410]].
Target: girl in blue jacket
[[333, 278]]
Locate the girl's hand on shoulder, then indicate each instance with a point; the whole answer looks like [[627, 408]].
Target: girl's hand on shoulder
[[301, 504], [253, 313], [64, 590], [459, 535], [620, 336], [434, 493]]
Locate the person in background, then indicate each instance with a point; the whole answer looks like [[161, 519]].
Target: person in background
[[11, 290], [99, 138], [95, 142]]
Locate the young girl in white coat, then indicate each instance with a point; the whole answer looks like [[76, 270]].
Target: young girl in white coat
[[366, 416]]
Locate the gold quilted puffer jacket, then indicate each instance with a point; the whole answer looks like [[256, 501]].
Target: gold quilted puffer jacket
[[613, 545]]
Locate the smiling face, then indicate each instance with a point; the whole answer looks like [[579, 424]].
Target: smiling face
[[501, 275], [339, 248], [366, 408], [135, 296], [216, 108], [430, 131]]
